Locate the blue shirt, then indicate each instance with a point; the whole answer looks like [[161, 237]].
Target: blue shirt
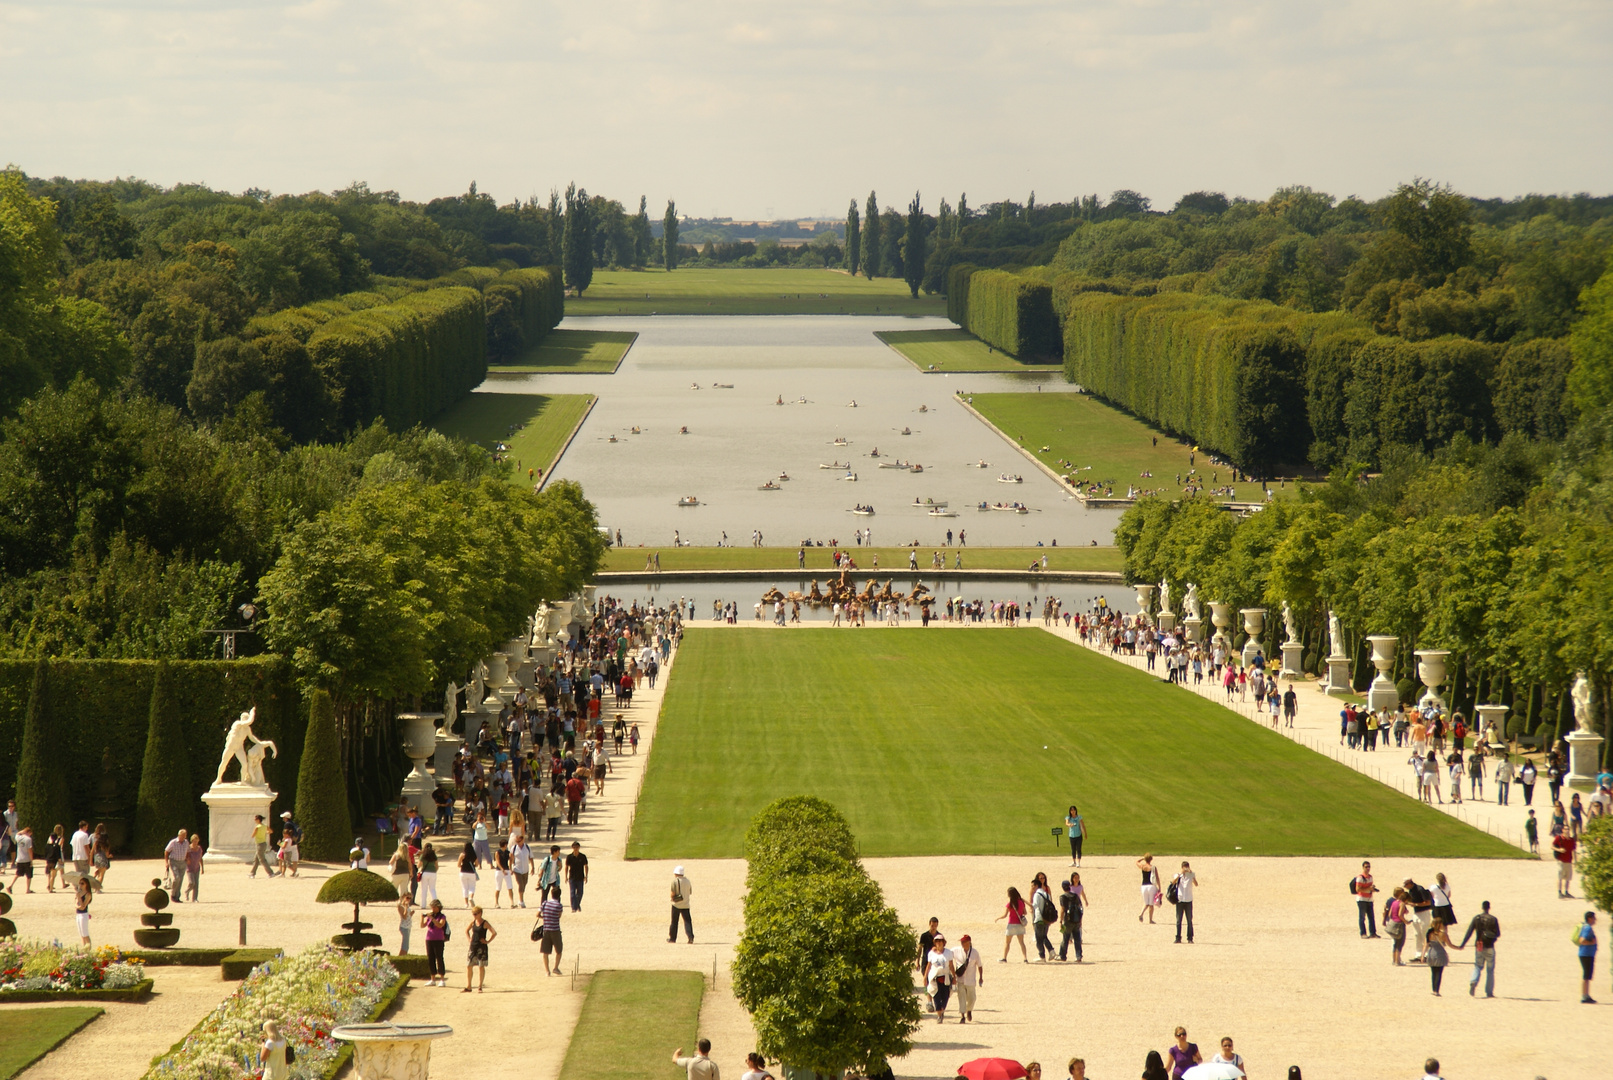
[[1587, 940]]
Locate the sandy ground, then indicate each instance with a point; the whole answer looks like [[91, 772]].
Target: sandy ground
[[1278, 964]]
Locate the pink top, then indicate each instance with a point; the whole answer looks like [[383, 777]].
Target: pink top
[[1016, 912]]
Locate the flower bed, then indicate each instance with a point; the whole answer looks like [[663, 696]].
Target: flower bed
[[309, 994], [37, 971]]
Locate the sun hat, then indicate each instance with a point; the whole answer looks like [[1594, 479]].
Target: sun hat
[[678, 871]]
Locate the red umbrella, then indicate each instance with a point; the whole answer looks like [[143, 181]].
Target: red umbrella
[[991, 1069]]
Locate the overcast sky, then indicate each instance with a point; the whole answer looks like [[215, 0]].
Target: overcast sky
[[790, 109]]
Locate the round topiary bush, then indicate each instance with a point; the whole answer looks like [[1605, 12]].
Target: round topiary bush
[[357, 887], [1310, 664], [1406, 689]]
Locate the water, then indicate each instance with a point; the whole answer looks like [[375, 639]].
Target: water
[[740, 438], [666, 589]]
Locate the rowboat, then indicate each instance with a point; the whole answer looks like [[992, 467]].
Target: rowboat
[[836, 465], [688, 500], [850, 476], [930, 504], [841, 442], [1007, 478], [941, 511], [896, 464], [783, 476], [907, 431], [917, 468], [863, 511], [982, 464], [1011, 508], [613, 439], [770, 486]]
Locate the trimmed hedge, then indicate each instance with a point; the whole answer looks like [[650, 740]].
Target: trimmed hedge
[[1419, 394], [164, 770], [322, 807], [101, 709], [796, 835], [239, 964], [1014, 313], [136, 993], [522, 307], [181, 957], [957, 286], [41, 786]]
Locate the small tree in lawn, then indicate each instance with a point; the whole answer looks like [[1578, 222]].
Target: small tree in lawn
[[669, 236], [41, 783], [322, 786], [854, 239], [873, 254], [165, 802]]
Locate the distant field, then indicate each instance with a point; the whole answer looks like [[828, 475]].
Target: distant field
[[778, 558], [747, 292], [953, 351], [534, 426], [579, 352], [973, 742], [1118, 447]]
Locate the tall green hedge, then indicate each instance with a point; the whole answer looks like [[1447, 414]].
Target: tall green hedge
[[41, 782], [322, 806], [522, 307], [162, 807], [957, 286], [99, 711], [1419, 394], [1014, 313]]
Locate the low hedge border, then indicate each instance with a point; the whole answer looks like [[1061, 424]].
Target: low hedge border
[[135, 994], [239, 964], [180, 957], [412, 964]]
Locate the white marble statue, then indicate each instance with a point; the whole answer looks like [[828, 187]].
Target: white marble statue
[[1164, 597], [1335, 636], [1288, 623], [1190, 602], [478, 685], [1581, 695], [243, 746], [540, 626], [450, 706]]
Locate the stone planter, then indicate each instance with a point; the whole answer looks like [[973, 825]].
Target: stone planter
[[1254, 624], [1293, 660], [1145, 601], [419, 743], [391, 1051], [498, 670], [1382, 694], [1221, 618]]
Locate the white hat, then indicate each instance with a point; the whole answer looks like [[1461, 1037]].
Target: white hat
[[677, 871]]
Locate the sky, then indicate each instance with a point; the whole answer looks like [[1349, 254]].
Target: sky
[[789, 109]]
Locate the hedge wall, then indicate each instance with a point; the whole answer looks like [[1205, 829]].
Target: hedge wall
[[1419, 394], [957, 286], [1014, 313], [522, 307], [99, 710]]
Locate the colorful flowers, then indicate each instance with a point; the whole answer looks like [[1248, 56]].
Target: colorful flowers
[[35, 965], [309, 994]]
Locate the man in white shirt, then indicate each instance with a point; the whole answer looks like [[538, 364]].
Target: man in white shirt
[[971, 976], [80, 845], [174, 855], [1184, 901], [1228, 1056], [700, 1067]]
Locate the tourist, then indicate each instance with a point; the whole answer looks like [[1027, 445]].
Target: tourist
[[1431, 1069], [174, 861], [1486, 928], [576, 789], [1071, 901], [428, 872], [479, 842], [700, 1067], [1184, 883], [260, 846], [1076, 827], [53, 858], [1395, 914], [273, 1054], [549, 871], [1562, 849], [1559, 818], [1014, 912], [101, 851], [194, 865], [1364, 891], [1184, 1055], [1526, 777], [1078, 1069], [1150, 888], [1475, 773], [970, 966], [1154, 1067], [1584, 943], [681, 890], [467, 873], [1531, 829], [940, 971], [83, 894], [435, 924], [1576, 817], [1436, 956], [358, 856], [503, 876], [1043, 914], [1454, 763], [1228, 1056], [758, 1068], [479, 934], [398, 867], [406, 911], [1441, 893], [576, 874], [520, 864], [25, 859], [548, 929], [1422, 912]]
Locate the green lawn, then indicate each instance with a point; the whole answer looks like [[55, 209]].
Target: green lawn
[[953, 351], [974, 741], [747, 292], [818, 559], [631, 1022], [1081, 429], [573, 352], [26, 1035], [534, 426]]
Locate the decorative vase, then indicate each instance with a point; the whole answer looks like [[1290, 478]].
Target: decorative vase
[[1145, 600], [498, 670], [389, 1051], [1431, 671], [1254, 624], [419, 743], [1221, 618], [1382, 694]]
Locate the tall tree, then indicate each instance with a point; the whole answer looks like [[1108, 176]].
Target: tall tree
[[965, 215], [556, 253], [1030, 209], [946, 223], [322, 786], [891, 228], [872, 254], [165, 803], [913, 247], [853, 238], [42, 799], [669, 236], [641, 233], [578, 254]]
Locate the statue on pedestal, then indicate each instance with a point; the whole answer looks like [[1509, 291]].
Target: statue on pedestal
[[1164, 597], [242, 746], [450, 706], [1581, 695], [1191, 601], [1335, 636], [1288, 622]]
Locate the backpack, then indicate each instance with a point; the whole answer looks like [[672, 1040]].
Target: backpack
[[1049, 912], [1352, 886], [1171, 892]]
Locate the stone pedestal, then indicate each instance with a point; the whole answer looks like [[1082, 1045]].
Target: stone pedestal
[[419, 743], [442, 760], [1584, 757], [230, 810], [1382, 693], [1167, 620], [391, 1051], [1338, 675], [1194, 628], [1293, 660]]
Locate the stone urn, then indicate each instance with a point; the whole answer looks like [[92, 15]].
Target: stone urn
[[156, 931], [1431, 671], [498, 670], [1145, 601], [1221, 618], [389, 1051], [1254, 624], [1382, 694], [419, 743]]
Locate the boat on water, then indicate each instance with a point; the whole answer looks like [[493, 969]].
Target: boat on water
[[981, 464], [907, 431], [897, 464], [930, 503], [688, 500], [634, 430], [1010, 478], [941, 511], [684, 430], [863, 511], [770, 486], [783, 476], [850, 476], [841, 442], [1011, 508], [852, 404], [836, 465], [916, 468], [924, 408], [723, 385], [613, 439]]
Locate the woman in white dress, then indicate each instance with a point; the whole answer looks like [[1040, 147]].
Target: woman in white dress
[[272, 1056], [1150, 887]]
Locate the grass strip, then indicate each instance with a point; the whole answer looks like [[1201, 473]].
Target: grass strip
[[29, 1034], [631, 1022], [574, 352], [704, 291], [975, 741], [535, 427], [892, 559], [954, 351]]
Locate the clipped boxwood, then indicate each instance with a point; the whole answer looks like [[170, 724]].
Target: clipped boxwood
[[239, 964], [136, 994], [1015, 314], [180, 957], [163, 806], [796, 835], [322, 786]]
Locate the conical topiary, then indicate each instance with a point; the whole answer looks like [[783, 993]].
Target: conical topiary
[[41, 782], [327, 832], [166, 800]]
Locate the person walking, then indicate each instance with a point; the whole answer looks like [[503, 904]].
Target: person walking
[[971, 969], [467, 873], [1150, 888], [24, 866], [1531, 831], [1437, 955], [435, 924], [53, 858], [174, 859], [1562, 849], [1014, 912], [83, 894], [1076, 827], [1184, 883], [1504, 773], [273, 1054], [700, 1067], [576, 874], [681, 890], [260, 846], [1071, 901], [1584, 943], [1184, 1055], [1440, 892], [520, 864], [549, 911], [549, 871], [1422, 914], [940, 972], [194, 867], [1527, 774], [406, 910], [479, 935], [428, 872], [1043, 914], [1365, 890], [1486, 928], [1395, 914], [1229, 1056]]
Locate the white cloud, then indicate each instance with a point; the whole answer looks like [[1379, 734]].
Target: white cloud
[[735, 107]]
